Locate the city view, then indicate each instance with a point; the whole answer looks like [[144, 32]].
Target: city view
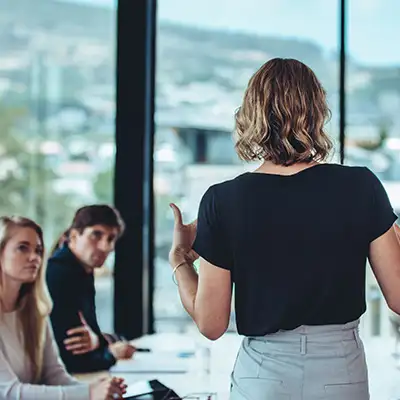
[[57, 112]]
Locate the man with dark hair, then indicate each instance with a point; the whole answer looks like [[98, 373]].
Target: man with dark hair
[[84, 247]]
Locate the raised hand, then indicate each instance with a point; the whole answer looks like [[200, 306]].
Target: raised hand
[[183, 239]]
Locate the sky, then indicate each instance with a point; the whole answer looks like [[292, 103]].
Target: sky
[[373, 25]]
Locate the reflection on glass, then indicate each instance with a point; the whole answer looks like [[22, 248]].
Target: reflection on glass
[[57, 115], [204, 62], [373, 140]]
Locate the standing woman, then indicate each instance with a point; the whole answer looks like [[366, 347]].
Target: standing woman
[[294, 237], [30, 367]]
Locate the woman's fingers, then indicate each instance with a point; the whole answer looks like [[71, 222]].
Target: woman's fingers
[[178, 217], [115, 388], [177, 214]]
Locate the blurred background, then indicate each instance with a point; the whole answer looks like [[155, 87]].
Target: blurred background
[[58, 107]]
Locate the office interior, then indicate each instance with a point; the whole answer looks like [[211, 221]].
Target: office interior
[[131, 103]]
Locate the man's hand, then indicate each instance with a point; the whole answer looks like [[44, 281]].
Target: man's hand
[[82, 339], [122, 350]]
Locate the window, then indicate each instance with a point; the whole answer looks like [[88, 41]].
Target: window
[[57, 115], [372, 139], [204, 61]]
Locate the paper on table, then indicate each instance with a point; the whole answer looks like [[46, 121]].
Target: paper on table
[[153, 362]]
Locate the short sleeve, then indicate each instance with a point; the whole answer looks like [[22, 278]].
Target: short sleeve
[[211, 241], [382, 215]]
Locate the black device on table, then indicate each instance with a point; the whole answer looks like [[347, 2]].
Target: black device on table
[[150, 390]]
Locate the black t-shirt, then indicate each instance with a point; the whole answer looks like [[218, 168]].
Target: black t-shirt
[[296, 245]]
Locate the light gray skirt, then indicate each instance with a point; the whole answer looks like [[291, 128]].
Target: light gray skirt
[[308, 363]]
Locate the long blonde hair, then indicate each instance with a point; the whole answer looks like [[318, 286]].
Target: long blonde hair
[[34, 303]]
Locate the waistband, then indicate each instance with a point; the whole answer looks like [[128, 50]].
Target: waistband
[[320, 329], [305, 336], [316, 332]]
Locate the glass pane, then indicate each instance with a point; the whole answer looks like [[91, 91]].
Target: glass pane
[[373, 140], [57, 115], [204, 62]]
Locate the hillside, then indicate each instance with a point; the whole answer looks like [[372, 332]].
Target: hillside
[[200, 74]]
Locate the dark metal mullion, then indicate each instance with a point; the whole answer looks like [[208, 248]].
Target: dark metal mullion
[[148, 200], [133, 189], [342, 80]]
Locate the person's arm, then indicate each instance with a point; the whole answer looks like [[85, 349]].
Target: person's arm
[[384, 257], [112, 337], [100, 359], [11, 388], [53, 372], [205, 296], [54, 375], [384, 247], [119, 348], [65, 316]]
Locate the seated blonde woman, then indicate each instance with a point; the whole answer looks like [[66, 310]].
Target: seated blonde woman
[[30, 367]]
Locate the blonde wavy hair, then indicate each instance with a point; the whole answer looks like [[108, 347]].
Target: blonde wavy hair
[[34, 303], [283, 115]]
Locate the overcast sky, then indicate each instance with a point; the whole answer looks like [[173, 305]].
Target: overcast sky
[[373, 34]]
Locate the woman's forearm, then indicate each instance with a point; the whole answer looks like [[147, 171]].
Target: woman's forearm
[[187, 279]]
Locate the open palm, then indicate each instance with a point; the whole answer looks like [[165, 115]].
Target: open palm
[[183, 239]]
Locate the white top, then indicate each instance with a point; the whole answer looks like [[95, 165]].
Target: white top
[[16, 375]]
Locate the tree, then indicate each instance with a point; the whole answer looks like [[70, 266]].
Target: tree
[[377, 144], [103, 186], [26, 178]]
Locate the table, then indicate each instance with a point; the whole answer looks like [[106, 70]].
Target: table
[[195, 379]]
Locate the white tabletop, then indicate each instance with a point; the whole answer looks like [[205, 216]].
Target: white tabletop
[[179, 362]]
